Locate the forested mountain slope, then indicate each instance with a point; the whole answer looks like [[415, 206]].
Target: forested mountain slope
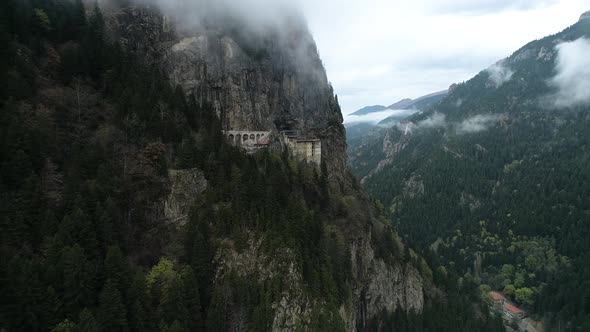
[[494, 181], [124, 209]]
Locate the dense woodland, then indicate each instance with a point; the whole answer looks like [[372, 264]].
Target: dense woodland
[[506, 207], [88, 133]]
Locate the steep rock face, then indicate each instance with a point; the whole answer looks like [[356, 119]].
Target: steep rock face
[[256, 80], [377, 285], [268, 81], [381, 285], [294, 307], [277, 86], [185, 186], [392, 145]]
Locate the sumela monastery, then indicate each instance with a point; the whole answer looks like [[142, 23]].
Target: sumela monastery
[[309, 150]]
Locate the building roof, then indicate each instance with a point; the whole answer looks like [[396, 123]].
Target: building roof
[[512, 309], [497, 296], [263, 141]]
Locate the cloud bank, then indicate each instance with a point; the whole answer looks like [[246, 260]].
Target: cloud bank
[[437, 120], [376, 117], [499, 74], [255, 14], [572, 79], [472, 125], [477, 124], [477, 7]]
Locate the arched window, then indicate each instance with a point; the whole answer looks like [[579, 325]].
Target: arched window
[[258, 137], [231, 138], [245, 138], [252, 137]]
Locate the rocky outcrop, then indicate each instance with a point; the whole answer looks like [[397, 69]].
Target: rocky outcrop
[[413, 187], [585, 16], [294, 307], [381, 285], [378, 284], [185, 186], [391, 148]]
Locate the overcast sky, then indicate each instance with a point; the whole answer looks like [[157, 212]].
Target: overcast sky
[[381, 51]]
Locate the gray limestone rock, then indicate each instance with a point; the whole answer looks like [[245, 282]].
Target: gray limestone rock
[[185, 186]]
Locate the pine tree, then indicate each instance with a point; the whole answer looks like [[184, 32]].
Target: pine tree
[[199, 256], [79, 16], [112, 315], [115, 268], [216, 313], [137, 303], [78, 279], [192, 299], [87, 322]]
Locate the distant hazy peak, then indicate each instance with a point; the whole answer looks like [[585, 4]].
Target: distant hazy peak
[[401, 104], [585, 16], [369, 110]]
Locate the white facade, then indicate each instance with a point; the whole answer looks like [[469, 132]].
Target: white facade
[[249, 140], [309, 150]]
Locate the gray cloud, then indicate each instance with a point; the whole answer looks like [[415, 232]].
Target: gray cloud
[[477, 124], [377, 116], [477, 7], [471, 125], [572, 80], [437, 120], [258, 16], [499, 74]]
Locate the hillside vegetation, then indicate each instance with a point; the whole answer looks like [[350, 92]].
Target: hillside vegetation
[[493, 182]]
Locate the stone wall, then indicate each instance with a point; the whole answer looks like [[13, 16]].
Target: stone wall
[[309, 150], [249, 140]]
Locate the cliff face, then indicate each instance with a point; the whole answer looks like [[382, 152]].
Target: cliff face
[[377, 285], [256, 79], [270, 81]]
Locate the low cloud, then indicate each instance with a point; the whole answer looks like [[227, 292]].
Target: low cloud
[[376, 117], [479, 7], [437, 120], [572, 79], [254, 15], [499, 74], [477, 124], [471, 125]]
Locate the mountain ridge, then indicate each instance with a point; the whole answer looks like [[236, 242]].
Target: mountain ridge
[[486, 147], [404, 104]]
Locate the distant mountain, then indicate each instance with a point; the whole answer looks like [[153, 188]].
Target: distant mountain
[[402, 104], [427, 101], [420, 104], [369, 110]]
